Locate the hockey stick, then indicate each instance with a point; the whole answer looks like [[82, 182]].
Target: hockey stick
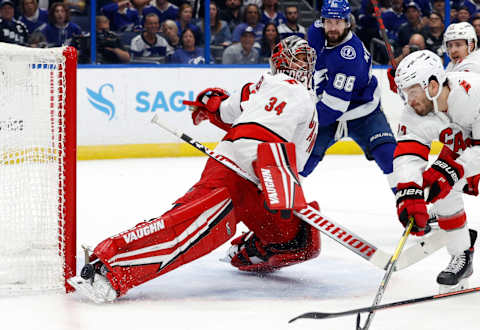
[[378, 15], [386, 277], [320, 315], [340, 234]]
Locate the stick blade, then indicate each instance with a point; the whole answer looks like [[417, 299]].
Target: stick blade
[[313, 315]]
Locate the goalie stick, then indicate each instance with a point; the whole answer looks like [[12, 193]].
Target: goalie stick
[[320, 315], [327, 226]]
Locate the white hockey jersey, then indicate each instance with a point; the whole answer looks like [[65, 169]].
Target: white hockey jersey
[[276, 109], [471, 63], [458, 129]]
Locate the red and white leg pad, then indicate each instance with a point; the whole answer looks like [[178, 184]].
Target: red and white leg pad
[[155, 247], [249, 253], [276, 167]]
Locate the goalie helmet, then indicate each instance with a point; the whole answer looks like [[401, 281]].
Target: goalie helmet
[[421, 67], [286, 59], [339, 9], [460, 31]]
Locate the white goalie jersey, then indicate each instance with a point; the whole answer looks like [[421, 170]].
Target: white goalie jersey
[[276, 109], [458, 129]]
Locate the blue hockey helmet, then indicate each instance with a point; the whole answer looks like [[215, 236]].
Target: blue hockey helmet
[[336, 9]]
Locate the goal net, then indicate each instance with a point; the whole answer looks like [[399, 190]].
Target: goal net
[[37, 168]]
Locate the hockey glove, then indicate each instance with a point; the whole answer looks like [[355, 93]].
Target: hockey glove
[[471, 187], [206, 106], [391, 80], [441, 176], [411, 203]]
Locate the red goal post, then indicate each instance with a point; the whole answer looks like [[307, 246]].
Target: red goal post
[[37, 168]]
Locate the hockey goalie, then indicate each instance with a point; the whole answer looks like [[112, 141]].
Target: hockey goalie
[[271, 129]]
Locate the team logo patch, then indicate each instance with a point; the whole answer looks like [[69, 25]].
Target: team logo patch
[[317, 23], [348, 53]]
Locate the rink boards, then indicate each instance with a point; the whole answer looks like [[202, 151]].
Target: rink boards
[[116, 104]]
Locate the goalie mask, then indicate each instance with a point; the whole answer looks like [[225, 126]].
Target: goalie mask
[[295, 58], [420, 68]]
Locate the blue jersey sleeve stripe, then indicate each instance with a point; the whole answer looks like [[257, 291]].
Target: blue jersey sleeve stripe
[[334, 103]]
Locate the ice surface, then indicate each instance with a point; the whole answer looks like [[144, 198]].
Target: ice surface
[[114, 195]]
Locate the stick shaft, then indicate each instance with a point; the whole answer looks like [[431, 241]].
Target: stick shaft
[[386, 277], [319, 315], [383, 32]]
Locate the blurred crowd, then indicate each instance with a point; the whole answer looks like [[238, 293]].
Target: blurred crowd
[[241, 31]]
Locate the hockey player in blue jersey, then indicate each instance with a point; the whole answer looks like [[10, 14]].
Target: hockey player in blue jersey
[[348, 94]]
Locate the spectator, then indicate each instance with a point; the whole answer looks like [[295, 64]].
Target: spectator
[[416, 42], [270, 13], [257, 3], [413, 25], [439, 6], [364, 9], [473, 6], [37, 40], [150, 42], [453, 14], [188, 53], [252, 19], [270, 38], [184, 22], [425, 7], [433, 33], [164, 10], [393, 18], [59, 30], [232, 13], [122, 16], [76, 7], [243, 52], [368, 26], [220, 34], [11, 30], [110, 49], [463, 15], [170, 32], [291, 27], [140, 5], [33, 17], [476, 26]]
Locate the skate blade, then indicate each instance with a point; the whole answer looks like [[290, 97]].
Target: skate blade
[[462, 285], [98, 292]]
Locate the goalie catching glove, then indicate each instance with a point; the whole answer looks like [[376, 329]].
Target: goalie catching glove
[[444, 173], [411, 203], [207, 105]]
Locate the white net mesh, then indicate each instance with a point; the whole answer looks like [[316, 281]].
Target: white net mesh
[[32, 128]]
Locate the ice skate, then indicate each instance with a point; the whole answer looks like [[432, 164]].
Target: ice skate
[[93, 284], [455, 276]]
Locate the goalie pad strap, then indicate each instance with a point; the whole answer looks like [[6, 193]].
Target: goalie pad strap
[[276, 167], [181, 235]]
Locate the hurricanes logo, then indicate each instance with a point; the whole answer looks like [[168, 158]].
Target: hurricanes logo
[[101, 103]]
